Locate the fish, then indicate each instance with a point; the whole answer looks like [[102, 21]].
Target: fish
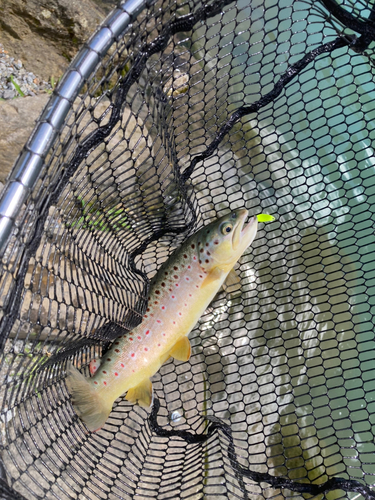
[[180, 292]]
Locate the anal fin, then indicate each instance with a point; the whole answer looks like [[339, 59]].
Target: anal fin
[[141, 394], [181, 350]]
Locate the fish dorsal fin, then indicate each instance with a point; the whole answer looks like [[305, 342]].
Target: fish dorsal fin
[[141, 394], [181, 350]]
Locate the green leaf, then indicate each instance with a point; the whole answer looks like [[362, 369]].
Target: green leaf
[[16, 86]]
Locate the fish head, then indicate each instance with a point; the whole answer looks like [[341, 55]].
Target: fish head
[[226, 239]]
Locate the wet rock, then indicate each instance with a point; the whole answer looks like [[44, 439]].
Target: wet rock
[[18, 117], [47, 35]]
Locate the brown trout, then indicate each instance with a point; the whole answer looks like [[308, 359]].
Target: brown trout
[[179, 294]]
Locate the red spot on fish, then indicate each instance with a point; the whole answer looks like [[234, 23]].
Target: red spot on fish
[[156, 302], [201, 250], [157, 292], [185, 305], [158, 321], [133, 354], [163, 334], [104, 372], [163, 308], [122, 365], [194, 258], [105, 383], [145, 316], [180, 314], [189, 267], [200, 276], [187, 278], [147, 332], [163, 284], [190, 295], [158, 345], [175, 276], [174, 322], [175, 268], [177, 284], [146, 349], [196, 286], [193, 246], [96, 383], [216, 242], [117, 350], [131, 339], [207, 261], [170, 289], [116, 374], [139, 337], [172, 296]]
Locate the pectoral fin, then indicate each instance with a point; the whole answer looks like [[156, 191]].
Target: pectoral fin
[[232, 282], [141, 394], [181, 350], [214, 275]]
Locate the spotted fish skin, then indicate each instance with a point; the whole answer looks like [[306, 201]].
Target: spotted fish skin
[[179, 294]]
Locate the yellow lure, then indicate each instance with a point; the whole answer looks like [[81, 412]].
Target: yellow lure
[[265, 218]]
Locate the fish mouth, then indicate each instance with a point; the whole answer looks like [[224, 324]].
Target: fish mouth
[[244, 234]]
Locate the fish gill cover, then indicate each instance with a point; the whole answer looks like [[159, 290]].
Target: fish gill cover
[[198, 109]]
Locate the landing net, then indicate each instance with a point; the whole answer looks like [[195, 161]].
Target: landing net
[[189, 111]]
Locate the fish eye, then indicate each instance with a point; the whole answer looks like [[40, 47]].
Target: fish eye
[[226, 228]]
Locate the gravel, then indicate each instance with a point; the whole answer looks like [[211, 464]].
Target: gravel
[[28, 82]]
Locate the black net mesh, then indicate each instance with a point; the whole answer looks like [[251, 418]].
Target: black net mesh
[[198, 110]]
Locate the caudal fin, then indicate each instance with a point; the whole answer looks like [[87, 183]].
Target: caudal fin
[[91, 408]]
